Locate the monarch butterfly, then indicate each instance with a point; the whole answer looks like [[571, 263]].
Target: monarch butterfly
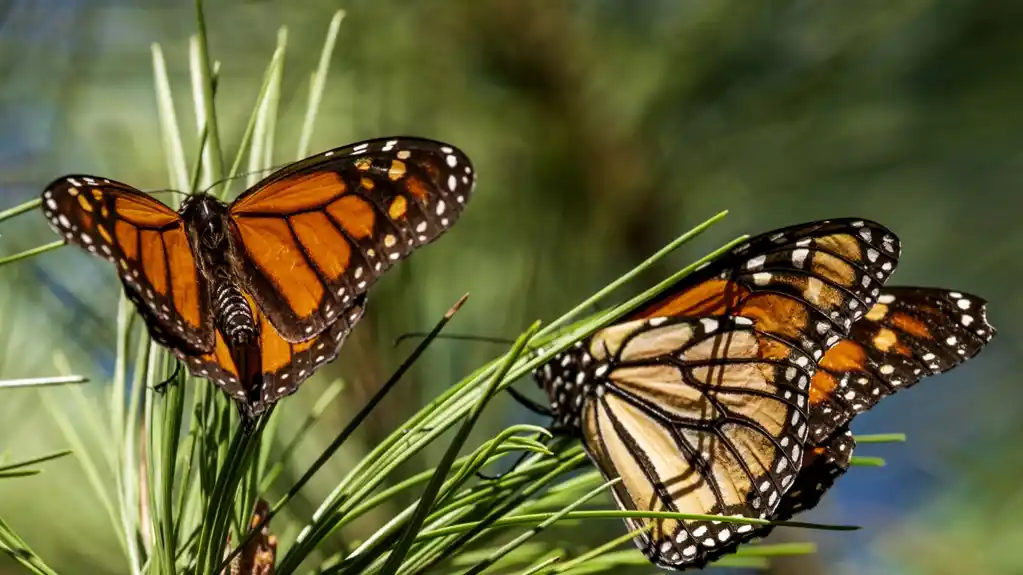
[[909, 333], [699, 401], [256, 295]]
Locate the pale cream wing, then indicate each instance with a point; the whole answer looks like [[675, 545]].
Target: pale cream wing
[[700, 416]]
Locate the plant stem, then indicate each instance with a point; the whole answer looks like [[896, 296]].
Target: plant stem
[[32, 252], [20, 209]]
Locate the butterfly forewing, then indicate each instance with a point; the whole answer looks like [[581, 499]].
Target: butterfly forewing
[[806, 284], [148, 243], [315, 235], [908, 334]]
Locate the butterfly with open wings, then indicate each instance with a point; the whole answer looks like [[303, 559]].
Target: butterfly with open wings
[[727, 394], [258, 294]]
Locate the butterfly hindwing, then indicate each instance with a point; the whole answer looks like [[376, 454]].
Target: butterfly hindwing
[[149, 244], [285, 365], [313, 236], [695, 416], [822, 465], [908, 334]]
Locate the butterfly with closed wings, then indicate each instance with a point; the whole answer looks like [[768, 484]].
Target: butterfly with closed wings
[[258, 294], [699, 401]]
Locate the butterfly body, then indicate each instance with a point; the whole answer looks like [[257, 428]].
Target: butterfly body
[[257, 294], [213, 242]]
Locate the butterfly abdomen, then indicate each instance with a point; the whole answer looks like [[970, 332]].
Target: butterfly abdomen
[[233, 315]]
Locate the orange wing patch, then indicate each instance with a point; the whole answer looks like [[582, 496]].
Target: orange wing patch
[[272, 248], [127, 239], [417, 188], [711, 297], [292, 194], [355, 215], [144, 212], [398, 208], [276, 351], [154, 262], [326, 246], [911, 325], [222, 355], [184, 276]]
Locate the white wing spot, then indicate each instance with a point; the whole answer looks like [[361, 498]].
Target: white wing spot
[[799, 257]]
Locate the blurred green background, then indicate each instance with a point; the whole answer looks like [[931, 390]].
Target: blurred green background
[[600, 130]]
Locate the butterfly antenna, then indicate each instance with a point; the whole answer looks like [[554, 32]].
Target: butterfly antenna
[[246, 174], [529, 404], [455, 336], [169, 191]]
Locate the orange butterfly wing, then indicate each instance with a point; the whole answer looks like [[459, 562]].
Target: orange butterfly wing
[[285, 365], [315, 235], [908, 334], [148, 243]]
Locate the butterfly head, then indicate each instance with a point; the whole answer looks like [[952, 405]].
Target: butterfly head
[[207, 218]]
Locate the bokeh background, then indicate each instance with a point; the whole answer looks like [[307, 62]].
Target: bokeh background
[[600, 131]]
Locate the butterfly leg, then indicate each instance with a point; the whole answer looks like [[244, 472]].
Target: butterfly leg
[[529, 404], [162, 386]]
